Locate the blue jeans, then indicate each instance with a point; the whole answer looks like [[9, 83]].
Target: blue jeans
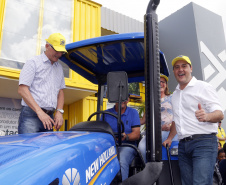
[[29, 122], [197, 159], [126, 155]]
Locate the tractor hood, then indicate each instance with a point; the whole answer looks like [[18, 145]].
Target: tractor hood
[[42, 158], [94, 58]]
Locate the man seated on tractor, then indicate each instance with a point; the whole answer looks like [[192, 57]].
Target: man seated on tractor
[[130, 118]]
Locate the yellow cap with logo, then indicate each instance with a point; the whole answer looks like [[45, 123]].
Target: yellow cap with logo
[[164, 76], [181, 57], [58, 41]]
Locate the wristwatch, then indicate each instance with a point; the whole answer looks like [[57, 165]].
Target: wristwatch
[[127, 137], [61, 111]]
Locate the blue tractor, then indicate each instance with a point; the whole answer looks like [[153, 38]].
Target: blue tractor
[[88, 153]]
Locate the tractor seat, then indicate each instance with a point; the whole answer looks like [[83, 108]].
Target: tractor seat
[[93, 126]]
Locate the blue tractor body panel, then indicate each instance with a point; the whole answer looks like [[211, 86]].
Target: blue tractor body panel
[[41, 158]]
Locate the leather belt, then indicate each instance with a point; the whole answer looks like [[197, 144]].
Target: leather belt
[[49, 112], [192, 137]]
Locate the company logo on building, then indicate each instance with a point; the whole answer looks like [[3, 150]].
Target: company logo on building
[[71, 177], [216, 67]]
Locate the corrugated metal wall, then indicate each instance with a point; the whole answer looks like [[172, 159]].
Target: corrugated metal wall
[[119, 23], [82, 109], [86, 24], [87, 17]]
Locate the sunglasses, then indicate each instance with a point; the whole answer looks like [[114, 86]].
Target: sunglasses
[[56, 50]]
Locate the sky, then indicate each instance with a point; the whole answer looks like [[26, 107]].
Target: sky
[[136, 9]]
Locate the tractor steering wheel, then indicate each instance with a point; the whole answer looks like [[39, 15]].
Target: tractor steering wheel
[[109, 113]]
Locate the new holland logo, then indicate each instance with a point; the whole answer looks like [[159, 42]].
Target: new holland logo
[[215, 67], [62, 42], [71, 177]]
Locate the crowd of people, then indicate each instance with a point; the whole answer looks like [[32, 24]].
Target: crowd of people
[[190, 115]]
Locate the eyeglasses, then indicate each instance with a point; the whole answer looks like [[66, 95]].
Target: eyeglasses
[[163, 82], [56, 50]]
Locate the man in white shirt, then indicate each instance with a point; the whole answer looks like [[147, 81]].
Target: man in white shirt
[[196, 110], [41, 86]]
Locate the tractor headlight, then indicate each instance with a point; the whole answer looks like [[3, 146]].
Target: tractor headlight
[[174, 151]]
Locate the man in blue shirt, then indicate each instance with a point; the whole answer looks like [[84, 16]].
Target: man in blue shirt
[[131, 120]]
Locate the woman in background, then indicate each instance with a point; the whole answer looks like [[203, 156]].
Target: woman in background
[[166, 114]]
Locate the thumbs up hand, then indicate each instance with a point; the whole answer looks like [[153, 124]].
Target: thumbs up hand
[[199, 106], [200, 114]]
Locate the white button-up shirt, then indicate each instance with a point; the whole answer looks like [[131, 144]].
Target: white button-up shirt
[[44, 80], [185, 103]]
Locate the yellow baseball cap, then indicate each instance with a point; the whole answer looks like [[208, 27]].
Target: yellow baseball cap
[[181, 57], [57, 41], [164, 76]]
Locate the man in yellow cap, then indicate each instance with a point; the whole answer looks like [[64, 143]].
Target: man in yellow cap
[[221, 134], [41, 86], [196, 111]]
